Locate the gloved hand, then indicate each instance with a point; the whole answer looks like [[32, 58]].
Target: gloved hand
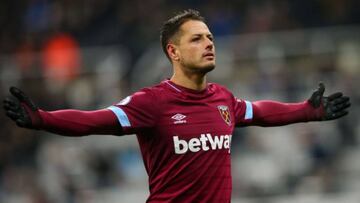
[[334, 106], [22, 110]]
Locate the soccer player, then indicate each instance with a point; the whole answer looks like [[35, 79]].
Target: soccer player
[[184, 125]]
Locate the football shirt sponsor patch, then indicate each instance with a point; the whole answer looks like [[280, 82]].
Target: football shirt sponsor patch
[[204, 143]]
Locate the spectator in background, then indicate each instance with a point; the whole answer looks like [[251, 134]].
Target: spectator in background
[[61, 58]]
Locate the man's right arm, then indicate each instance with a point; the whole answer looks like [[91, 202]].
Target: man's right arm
[[71, 122], [64, 122]]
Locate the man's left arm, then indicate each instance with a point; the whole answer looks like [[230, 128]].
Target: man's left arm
[[317, 108]]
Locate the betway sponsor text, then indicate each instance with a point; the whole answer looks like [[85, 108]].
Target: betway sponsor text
[[205, 142]]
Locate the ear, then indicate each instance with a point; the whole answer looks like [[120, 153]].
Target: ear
[[172, 52]]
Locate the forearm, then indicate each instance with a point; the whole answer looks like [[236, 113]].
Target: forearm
[[272, 113], [79, 123]]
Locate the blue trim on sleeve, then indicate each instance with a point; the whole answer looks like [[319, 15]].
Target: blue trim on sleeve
[[121, 115], [249, 110]]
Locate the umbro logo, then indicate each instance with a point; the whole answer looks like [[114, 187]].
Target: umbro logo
[[179, 118]]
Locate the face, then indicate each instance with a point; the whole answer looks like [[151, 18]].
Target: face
[[195, 50]]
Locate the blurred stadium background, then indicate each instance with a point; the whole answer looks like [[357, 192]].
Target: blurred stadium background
[[88, 54]]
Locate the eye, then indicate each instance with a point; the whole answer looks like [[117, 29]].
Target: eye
[[195, 39], [211, 38]]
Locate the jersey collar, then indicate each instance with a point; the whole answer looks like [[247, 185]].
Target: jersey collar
[[188, 92]]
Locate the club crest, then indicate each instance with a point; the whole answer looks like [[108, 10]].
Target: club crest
[[225, 114]]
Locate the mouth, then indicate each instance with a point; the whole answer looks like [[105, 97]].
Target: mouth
[[208, 55]]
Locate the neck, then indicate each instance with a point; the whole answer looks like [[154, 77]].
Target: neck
[[194, 81]]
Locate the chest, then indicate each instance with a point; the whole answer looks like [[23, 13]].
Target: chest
[[190, 119]]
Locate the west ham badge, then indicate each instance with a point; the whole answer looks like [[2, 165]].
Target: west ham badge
[[225, 114]]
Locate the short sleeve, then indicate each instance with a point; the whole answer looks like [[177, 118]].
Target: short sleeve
[[136, 112], [243, 111]]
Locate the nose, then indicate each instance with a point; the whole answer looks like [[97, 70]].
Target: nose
[[210, 44]]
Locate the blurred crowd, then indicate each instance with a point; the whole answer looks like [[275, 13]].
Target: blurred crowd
[[88, 54], [135, 24]]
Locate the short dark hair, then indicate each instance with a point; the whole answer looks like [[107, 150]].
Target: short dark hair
[[172, 25]]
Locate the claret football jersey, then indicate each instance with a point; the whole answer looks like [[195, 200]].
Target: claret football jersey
[[185, 138]]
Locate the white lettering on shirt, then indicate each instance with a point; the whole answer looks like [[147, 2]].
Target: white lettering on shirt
[[204, 143]]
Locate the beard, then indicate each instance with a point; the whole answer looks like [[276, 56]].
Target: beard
[[199, 69]]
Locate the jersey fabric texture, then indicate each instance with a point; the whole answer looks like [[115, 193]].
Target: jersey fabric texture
[[184, 137]]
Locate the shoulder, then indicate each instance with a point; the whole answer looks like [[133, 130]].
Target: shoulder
[[151, 95], [152, 91]]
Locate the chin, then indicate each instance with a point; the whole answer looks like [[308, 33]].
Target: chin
[[207, 68], [203, 68]]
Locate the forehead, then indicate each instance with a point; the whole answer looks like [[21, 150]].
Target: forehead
[[193, 27]]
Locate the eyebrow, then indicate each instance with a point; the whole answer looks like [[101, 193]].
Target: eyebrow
[[207, 34]]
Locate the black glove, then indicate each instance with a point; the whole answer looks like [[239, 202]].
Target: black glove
[[334, 106], [22, 110]]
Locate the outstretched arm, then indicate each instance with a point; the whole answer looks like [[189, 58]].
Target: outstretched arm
[[64, 122], [317, 108]]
